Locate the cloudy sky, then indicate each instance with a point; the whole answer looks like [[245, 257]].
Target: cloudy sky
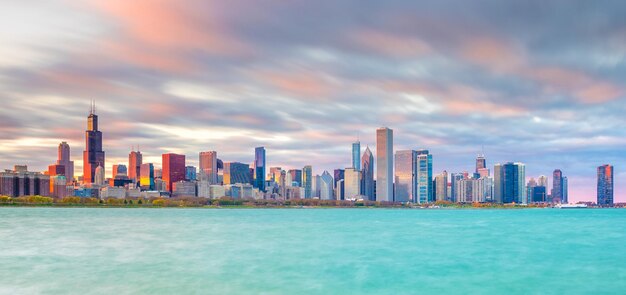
[[541, 82]]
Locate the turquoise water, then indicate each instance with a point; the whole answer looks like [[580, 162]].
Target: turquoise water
[[311, 251]]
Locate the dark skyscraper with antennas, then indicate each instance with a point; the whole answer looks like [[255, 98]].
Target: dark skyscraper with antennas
[[93, 156]]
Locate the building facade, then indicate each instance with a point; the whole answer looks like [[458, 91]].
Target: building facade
[[605, 186], [384, 164]]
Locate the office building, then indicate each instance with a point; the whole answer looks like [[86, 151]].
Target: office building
[[93, 156], [235, 172], [307, 181], [259, 168], [209, 166], [557, 186], [64, 160], [423, 177], [605, 186], [367, 175], [190, 173], [405, 176], [146, 177], [135, 160], [510, 183], [441, 187], [327, 186], [384, 167], [173, 169], [352, 183], [356, 155]]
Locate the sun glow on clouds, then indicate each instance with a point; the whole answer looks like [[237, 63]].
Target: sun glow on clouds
[[229, 75]]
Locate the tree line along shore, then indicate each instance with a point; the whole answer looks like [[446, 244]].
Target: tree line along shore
[[194, 202]]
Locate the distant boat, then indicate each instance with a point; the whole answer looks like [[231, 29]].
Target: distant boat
[[570, 206]]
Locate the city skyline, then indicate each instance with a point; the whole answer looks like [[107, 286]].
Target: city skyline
[[450, 84]]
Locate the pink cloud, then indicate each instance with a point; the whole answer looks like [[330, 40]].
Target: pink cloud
[[390, 44]]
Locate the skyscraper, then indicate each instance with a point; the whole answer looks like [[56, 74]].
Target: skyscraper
[[441, 186], [93, 156], [235, 172], [384, 167], [119, 170], [99, 176], [423, 177], [135, 160], [326, 186], [405, 176], [208, 166], [510, 183], [605, 185], [307, 181], [64, 160], [480, 163], [352, 183], [557, 186], [146, 180], [259, 168], [367, 174], [565, 192], [296, 175], [356, 155], [339, 183], [190, 173], [173, 166]]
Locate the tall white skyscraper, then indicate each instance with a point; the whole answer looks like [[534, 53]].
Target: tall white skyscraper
[[326, 186], [384, 168], [352, 183]]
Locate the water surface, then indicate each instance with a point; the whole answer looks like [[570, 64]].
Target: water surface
[[311, 251]]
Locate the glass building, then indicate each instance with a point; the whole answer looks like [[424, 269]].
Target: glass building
[[424, 177], [307, 181], [510, 183], [405, 176], [173, 166], [605, 185], [146, 177], [235, 172], [367, 175], [259, 168], [384, 167], [356, 155]]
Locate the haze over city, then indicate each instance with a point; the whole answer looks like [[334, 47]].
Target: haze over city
[[232, 75]]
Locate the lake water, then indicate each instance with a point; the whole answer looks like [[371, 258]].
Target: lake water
[[311, 251]]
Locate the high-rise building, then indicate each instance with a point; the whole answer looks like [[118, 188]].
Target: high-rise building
[[119, 170], [367, 175], [64, 159], [356, 155], [605, 185], [307, 181], [481, 163], [173, 166], [339, 186], [510, 183], [557, 186], [135, 160], [423, 177], [99, 176], [405, 176], [384, 167], [146, 180], [208, 166], [259, 168], [326, 186], [190, 173], [235, 172], [352, 183], [441, 186], [565, 192], [93, 156], [296, 176]]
